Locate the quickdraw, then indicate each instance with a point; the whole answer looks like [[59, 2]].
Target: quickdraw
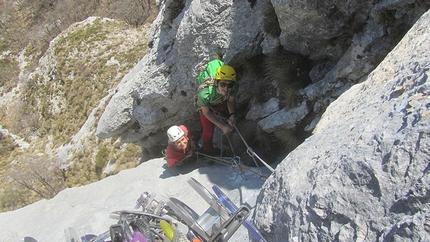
[[251, 152]]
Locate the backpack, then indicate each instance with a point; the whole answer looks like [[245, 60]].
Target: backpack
[[206, 77], [208, 70]]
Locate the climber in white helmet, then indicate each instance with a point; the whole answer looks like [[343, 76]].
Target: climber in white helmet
[[179, 147]]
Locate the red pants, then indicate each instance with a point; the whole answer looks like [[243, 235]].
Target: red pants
[[208, 129], [208, 133]]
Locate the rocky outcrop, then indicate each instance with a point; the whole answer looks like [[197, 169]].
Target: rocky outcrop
[[301, 55], [364, 173], [159, 91]]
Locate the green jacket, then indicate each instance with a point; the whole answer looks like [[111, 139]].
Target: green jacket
[[206, 99]]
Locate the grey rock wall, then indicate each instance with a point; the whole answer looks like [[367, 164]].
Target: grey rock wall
[[339, 42], [364, 173], [159, 91]]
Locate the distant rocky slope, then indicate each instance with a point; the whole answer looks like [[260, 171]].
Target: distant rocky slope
[[293, 59], [364, 173], [49, 118]]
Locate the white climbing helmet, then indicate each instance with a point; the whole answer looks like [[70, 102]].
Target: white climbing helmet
[[174, 133]]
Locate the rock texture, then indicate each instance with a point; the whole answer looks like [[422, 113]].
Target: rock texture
[[364, 173], [325, 46], [362, 176], [87, 208]]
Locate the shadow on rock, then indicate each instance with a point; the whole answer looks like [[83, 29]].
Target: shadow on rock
[[185, 168]]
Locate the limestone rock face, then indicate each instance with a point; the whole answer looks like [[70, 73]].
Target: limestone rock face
[[364, 173], [159, 91], [336, 43]]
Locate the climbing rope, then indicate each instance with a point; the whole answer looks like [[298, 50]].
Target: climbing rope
[[235, 158], [231, 161], [251, 152]]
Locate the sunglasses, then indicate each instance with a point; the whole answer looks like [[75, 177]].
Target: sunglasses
[[228, 85]]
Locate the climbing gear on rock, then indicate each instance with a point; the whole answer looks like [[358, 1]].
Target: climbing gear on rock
[[233, 162], [175, 221], [251, 153], [249, 150]]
